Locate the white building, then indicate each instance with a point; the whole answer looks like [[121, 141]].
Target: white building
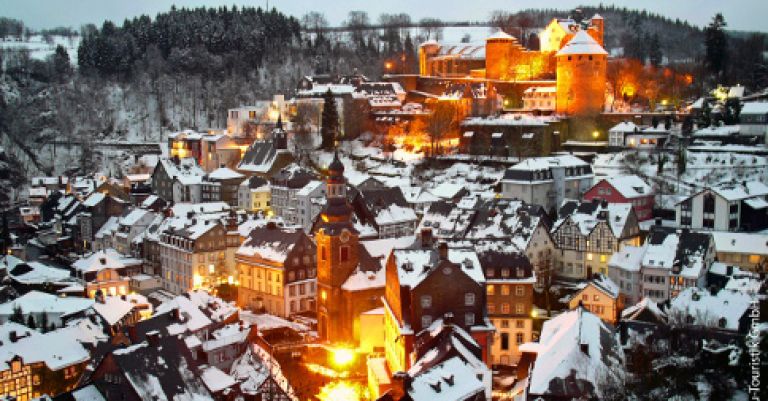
[[540, 98], [724, 207], [547, 181]]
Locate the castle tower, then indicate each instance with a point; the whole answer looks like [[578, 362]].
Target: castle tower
[[597, 28], [337, 246], [581, 66], [499, 49], [427, 50]]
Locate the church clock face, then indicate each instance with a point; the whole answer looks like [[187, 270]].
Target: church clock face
[[344, 236]]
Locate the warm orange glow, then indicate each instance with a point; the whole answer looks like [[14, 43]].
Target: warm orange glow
[[197, 281], [342, 391], [343, 356], [323, 295], [388, 65], [324, 371]]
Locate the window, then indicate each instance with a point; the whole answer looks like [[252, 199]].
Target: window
[[595, 297], [505, 324], [426, 301], [519, 324], [469, 299], [519, 290], [505, 308], [505, 341], [489, 272], [489, 289], [344, 253], [323, 253], [504, 290], [505, 272], [469, 318], [491, 308], [519, 338], [521, 272], [709, 203], [519, 309], [426, 320]]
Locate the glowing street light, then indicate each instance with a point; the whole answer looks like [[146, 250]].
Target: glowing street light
[[343, 356]]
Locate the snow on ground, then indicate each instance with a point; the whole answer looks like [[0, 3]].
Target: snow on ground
[[39, 49]]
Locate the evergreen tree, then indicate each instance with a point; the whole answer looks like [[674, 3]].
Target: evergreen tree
[[17, 316], [682, 161], [5, 236], [61, 62], [31, 322], [329, 128], [654, 50], [44, 325], [716, 44]]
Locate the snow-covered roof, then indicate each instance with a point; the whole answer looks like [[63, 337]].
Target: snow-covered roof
[[414, 265], [546, 163], [187, 172], [254, 367], [447, 190], [630, 186], [395, 214], [134, 216], [104, 259], [500, 35], [586, 216], [723, 310], [602, 283], [267, 322], [628, 259], [451, 380], [224, 173], [94, 199], [661, 255], [41, 302], [215, 379], [575, 344], [737, 191], [57, 349], [582, 43], [113, 309], [732, 242], [724, 130], [646, 303], [754, 108], [361, 280]]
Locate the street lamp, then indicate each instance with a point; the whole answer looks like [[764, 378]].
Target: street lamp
[[595, 134]]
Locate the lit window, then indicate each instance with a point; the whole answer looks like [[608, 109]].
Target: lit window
[[489, 289]]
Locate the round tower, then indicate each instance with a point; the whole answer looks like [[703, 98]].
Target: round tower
[[427, 50], [498, 55], [581, 66]]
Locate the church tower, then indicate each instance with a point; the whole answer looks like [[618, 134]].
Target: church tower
[[337, 258]]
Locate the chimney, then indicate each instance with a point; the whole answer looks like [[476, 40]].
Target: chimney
[[426, 238], [271, 225], [443, 251], [729, 270], [401, 383], [713, 290], [153, 338], [658, 222], [13, 336]]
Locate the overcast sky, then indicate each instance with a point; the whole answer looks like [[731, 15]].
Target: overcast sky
[[739, 14]]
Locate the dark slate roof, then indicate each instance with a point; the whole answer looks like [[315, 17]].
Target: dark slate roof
[[281, 240], [259, 153], [292, 177], [496, 260], [256, 182], [381, 198], [167, 366]]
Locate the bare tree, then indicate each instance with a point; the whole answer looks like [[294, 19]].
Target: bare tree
[[441, 121], [315, 22], [431, 28]]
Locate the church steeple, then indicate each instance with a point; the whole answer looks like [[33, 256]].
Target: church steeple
[[336, 185]]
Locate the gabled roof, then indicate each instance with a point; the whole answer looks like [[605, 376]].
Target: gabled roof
[[587, 215], [629, 186], [705, 309], [582, 43], [271, 243], [158, 372], [575, 348], [415, 265], [646, 311]]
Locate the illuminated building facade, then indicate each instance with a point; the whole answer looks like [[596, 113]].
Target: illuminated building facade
[[570, 67], [349, 280]]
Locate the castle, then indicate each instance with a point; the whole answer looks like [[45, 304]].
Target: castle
[[571, 59]]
